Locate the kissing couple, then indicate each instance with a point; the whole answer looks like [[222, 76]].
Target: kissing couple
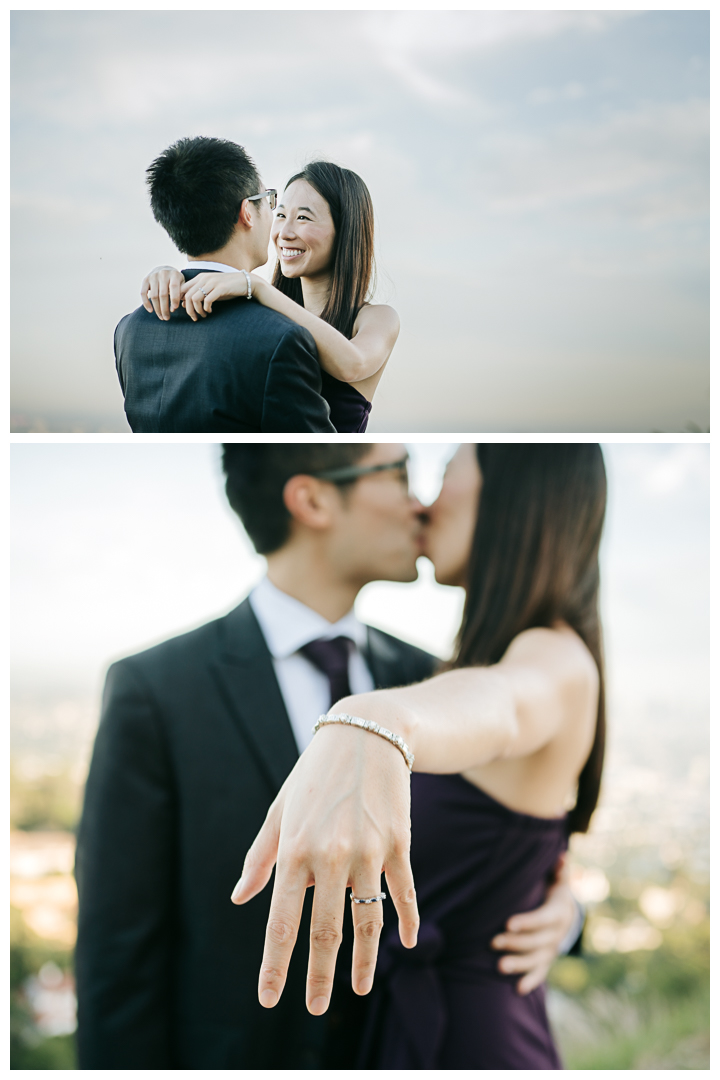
[[307, 352], [208, 734]]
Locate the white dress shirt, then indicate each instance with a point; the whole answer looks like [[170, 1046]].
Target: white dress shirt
[[203, 264], [287, 625]]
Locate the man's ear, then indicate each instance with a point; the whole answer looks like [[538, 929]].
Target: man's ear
[[245, 217], [310, 501]]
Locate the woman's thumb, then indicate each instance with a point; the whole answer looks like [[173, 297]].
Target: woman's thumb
[[259, 861]]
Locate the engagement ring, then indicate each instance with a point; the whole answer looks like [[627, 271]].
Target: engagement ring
[[367, 900]]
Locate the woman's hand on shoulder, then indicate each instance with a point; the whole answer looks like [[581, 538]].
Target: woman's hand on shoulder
[[201, 292], [160, 291]]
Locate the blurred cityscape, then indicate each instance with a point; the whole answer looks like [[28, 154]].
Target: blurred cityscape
[[638, 997]]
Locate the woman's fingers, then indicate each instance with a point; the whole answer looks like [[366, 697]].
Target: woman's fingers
[[208, 301], [398, 875], [153, 294], [533, 979], [528, 921], [194, 304], [144, 290], [527, 961], [197, 298], [188, 304], [158, 293], [325, 938], [163, 294], [176, 281], [280, 937], [526, 942], [367, 924]]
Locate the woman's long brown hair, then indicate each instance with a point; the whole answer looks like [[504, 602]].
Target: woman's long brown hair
[[353, 262], [534, 561]]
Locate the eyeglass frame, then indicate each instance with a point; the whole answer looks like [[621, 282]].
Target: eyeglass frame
[[346, 474], [272, 192]]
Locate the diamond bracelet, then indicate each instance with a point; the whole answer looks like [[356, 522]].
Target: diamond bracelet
[[368, 725]]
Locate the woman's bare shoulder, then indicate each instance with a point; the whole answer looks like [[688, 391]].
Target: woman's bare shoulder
[[559, 648], [378, 317]]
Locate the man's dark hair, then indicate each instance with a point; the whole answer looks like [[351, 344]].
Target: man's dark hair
[[196, 189], [256, 476]]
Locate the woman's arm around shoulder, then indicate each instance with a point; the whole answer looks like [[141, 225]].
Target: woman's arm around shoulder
[[353, 360]]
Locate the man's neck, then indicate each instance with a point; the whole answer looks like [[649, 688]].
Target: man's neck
[[312, 585], [192, 264], [235, 255]]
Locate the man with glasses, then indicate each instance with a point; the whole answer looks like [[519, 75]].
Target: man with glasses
[[196, 738], [248, 369]]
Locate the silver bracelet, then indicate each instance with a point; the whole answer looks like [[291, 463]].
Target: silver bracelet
[[368, 725], [249, 284]]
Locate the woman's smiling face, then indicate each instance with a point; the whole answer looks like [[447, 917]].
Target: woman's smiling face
[[303, 232]]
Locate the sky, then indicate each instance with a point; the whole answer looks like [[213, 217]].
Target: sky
[[540, 181], [115, 548]]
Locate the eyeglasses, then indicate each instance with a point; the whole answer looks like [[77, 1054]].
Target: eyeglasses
[[347, 473], [271, 194]]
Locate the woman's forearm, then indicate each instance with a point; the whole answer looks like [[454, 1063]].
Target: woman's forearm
[[471, 716], [337, 355], [451, 722]]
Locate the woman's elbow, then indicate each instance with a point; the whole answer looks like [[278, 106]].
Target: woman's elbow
[[356, 369]]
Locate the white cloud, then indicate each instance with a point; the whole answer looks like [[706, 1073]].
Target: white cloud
[[657, 148], [450, 33]]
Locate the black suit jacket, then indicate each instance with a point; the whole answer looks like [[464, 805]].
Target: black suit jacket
[[243, 368], [193, 745]]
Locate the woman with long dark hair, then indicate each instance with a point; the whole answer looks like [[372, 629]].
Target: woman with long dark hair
[[508, 747], [324, 237]]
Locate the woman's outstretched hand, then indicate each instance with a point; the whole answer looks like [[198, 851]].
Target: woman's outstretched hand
[[341, 819], [202, 291], [160, 291]]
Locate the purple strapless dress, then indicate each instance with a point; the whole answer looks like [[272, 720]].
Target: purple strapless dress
[[444, 1004], [349, 410]]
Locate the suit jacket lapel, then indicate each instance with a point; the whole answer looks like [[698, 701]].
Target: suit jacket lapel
[[246, 676], [383, 660]]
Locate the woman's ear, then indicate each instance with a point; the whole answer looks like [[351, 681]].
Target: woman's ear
[[311, 502]]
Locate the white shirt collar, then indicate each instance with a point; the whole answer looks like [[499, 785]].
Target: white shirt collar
[[200, 264], [287, 624]]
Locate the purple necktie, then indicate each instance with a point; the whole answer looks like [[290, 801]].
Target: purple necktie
[[331, 657]]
